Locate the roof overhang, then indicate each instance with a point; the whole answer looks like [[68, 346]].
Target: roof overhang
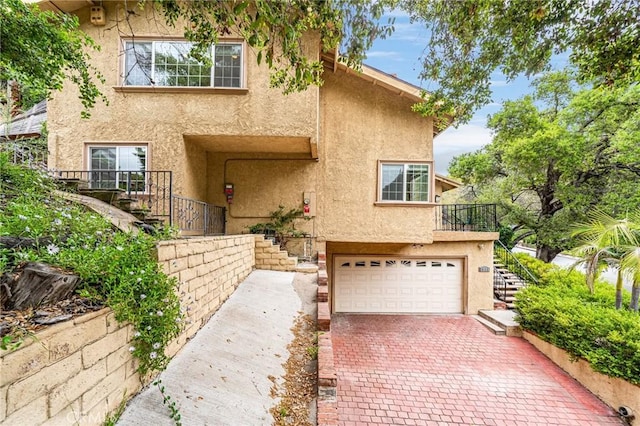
[[447, 183], [291, 145], [382, 79], [66, 6]]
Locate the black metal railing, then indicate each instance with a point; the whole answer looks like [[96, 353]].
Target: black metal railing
[[32, 152], [508, 261], [152, 189], [197, 217], [466, 217]]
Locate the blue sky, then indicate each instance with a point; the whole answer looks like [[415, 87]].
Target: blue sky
[[400, 54]]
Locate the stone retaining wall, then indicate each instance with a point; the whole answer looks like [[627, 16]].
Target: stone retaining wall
[[78, 371], [270, 256], [209, 270], [613, 391]]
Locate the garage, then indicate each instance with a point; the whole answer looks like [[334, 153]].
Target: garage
[[381, 284]]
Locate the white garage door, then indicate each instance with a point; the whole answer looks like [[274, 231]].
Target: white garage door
[[397, 285]]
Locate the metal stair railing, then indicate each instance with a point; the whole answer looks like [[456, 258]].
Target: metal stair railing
[[153, 188], [513, 265], [197, 217]]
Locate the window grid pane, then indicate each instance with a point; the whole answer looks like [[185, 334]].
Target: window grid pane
[[174, 66], [417, 188], [405, 182], [167, 63], [227, 65], [392, 182]]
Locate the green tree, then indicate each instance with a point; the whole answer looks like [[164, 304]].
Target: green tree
[[41, 50], [555, 155], [276, 30], [471, 39], [630, 264], [601, 241]]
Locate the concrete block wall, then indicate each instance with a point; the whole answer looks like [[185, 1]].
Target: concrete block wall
[[77, 372], [208, 270], [270, 256]]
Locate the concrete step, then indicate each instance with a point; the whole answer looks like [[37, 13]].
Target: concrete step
[[495, 329], [307, 268], [504, 319], [514, 284]]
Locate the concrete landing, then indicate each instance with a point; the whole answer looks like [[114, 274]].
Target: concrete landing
[[494, 328], [503, 318], [307, 268], [224, 375], [118, 218]]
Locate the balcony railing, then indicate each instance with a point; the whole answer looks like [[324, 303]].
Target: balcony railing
[[151, 188], [198, 218], [466, 217]]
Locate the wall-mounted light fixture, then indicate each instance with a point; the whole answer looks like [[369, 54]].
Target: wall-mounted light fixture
[[438, 198], [98, 16]]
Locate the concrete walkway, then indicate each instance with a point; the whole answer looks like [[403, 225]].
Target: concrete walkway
[[224, 375]]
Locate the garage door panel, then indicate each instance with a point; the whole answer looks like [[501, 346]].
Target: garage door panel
[[397, 285]]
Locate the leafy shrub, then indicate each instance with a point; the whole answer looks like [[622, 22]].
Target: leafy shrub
[[536, 267], [562, 311], [281, 225], [116, 268]]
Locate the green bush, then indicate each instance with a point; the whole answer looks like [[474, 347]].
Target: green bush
[[562, 311], [281, 225], [118, 269]]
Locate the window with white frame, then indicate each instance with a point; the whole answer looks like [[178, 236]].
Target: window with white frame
[[167, 63], [118, 167], [404, 182]]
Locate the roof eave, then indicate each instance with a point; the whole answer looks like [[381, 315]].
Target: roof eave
[[385, 80]]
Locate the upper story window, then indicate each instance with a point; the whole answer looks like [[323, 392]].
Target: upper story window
[[167, 63], [405, 182]]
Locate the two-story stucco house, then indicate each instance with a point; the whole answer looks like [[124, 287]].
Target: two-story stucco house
[[351, 153]]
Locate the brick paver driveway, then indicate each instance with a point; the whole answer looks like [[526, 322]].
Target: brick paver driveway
[[448, 370]]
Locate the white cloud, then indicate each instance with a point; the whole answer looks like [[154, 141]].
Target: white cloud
[[469, 138], [395, 13], [500, 83], [385, 54], [453, 142]]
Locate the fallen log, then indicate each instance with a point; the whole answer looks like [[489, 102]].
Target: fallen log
[[21, 242], [36, 284]]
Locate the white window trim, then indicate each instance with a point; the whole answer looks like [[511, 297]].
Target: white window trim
[[123, 66], [117, 146], [403, 202]]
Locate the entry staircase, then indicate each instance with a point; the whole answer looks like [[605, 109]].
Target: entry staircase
[[147, 195], [509, 275], [115, 197]]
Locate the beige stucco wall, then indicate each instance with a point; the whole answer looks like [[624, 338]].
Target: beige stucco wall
[[262, 182], [478, 286], [165, 120], [362, 124]]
